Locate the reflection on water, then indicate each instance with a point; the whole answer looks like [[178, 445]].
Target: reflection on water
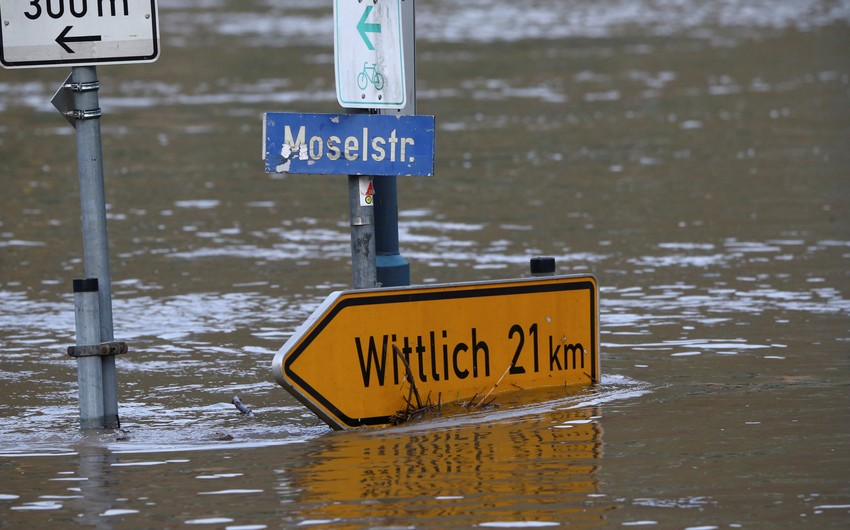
[[539, 468], [534, 469], [692, 155]]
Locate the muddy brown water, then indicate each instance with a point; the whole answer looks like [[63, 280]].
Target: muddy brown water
[[693, 156]]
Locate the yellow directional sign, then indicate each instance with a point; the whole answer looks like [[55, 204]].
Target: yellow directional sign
[[458, 340]]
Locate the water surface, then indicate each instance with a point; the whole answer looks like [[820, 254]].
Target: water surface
[[691, 155]]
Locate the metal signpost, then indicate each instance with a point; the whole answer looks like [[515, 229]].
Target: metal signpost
[[458, 340], [361, 352], [82, 34], [374, 48], [374, 52]]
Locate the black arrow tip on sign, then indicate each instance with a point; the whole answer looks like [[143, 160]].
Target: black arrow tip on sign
[[60, 40], [63, 38]]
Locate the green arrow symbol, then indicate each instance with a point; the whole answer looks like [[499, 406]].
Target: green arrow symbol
[[363, 28]]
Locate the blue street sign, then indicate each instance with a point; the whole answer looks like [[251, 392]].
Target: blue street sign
[[348, 144]]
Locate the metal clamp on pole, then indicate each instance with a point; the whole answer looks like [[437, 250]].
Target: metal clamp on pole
[[65, 100], [83, 114], [82, 87], [93, 350]]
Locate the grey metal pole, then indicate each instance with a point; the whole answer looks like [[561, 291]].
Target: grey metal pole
[[393, 269], [93, 204], [89, 369], [362, 237]]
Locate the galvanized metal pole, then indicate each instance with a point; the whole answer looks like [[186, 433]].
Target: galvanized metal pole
[[93, 204], [362, 237], [89, 369], [392, 269]]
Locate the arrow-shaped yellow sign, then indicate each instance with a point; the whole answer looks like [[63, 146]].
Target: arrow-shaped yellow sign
[[459, 340]]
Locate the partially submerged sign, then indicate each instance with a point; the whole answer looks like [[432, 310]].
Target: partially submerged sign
[[348, 144], [458, 339], [36, 33]]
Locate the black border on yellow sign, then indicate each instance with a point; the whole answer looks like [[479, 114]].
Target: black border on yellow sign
[[404, 296]]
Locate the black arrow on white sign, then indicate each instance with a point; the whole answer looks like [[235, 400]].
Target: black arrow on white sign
[[63, 39]]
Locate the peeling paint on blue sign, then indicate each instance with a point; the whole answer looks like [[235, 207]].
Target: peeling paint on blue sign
[[348, 144]]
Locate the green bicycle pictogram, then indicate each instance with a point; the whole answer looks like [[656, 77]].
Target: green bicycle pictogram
[[370, 74]]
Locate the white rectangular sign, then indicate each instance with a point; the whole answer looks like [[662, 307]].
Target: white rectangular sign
[[38, 33], [369, 54]]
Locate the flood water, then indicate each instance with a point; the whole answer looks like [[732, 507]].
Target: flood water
[[692, 155]]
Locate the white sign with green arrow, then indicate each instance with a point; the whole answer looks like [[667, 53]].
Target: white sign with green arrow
[[368, 54]]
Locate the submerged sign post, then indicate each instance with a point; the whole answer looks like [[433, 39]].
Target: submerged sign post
[[38, 33], [83, 34], [459, 340]]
